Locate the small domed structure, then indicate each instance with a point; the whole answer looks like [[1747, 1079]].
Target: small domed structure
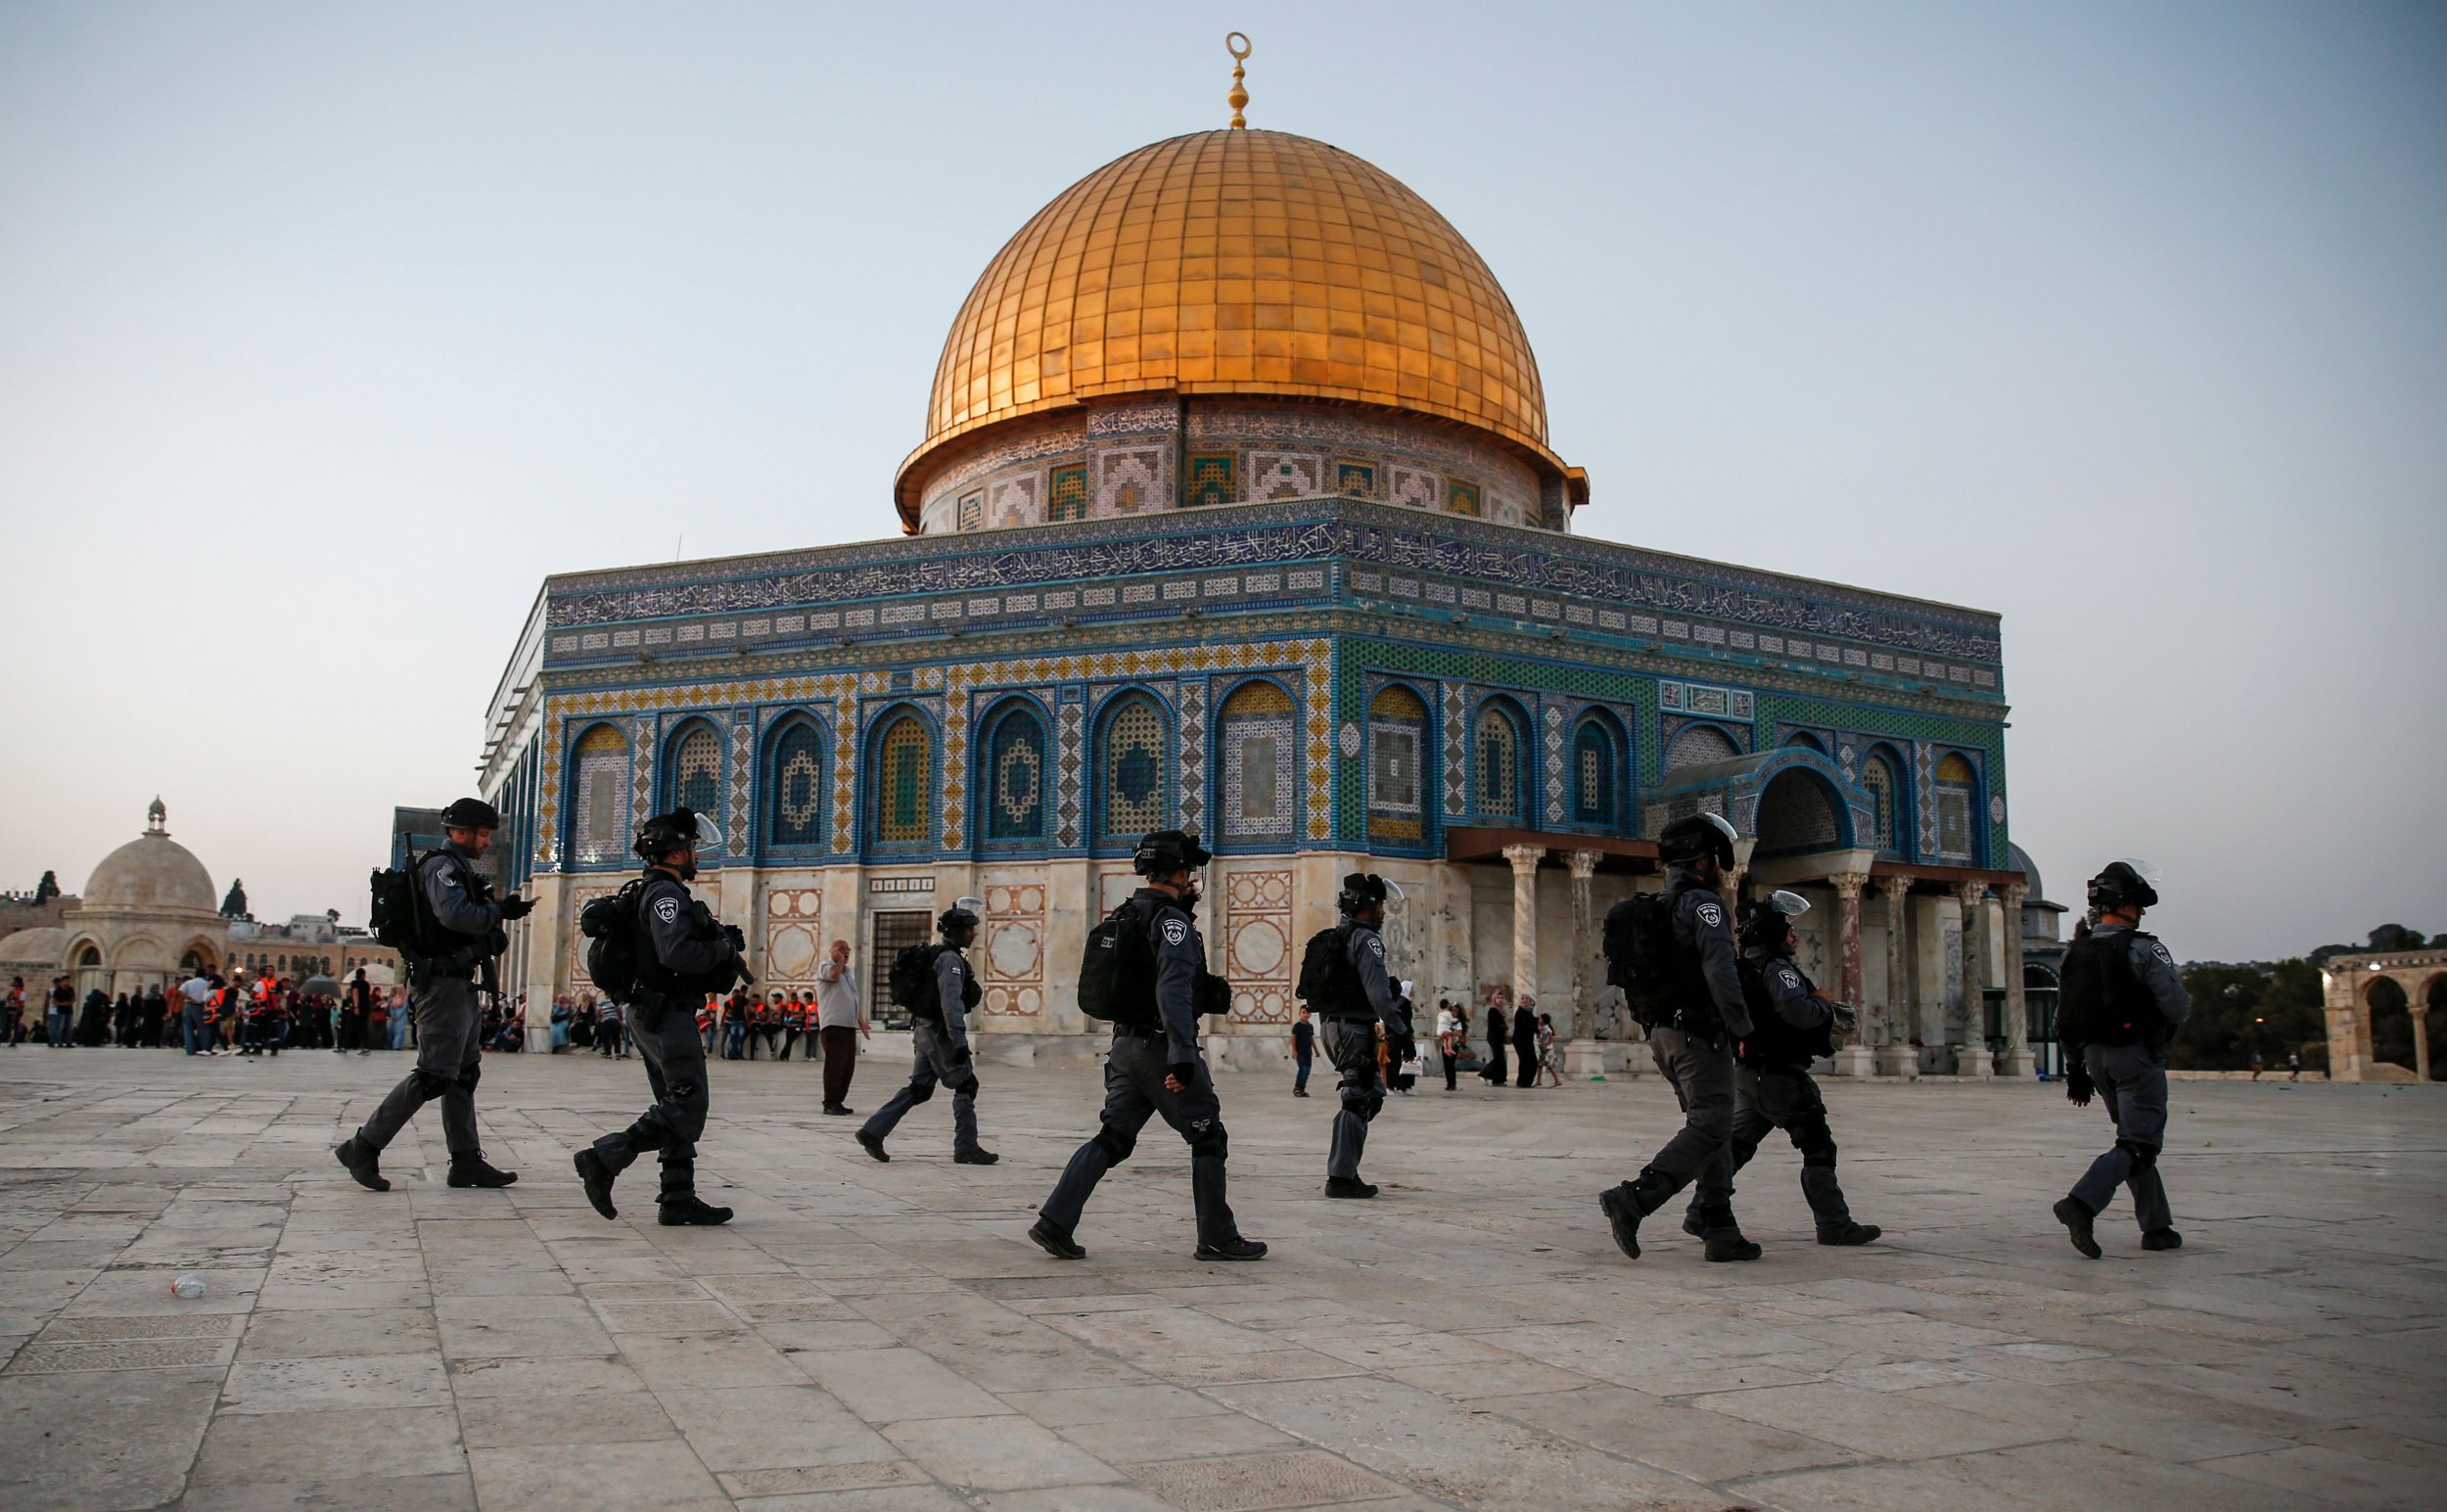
[[148, 914], [151, 873]]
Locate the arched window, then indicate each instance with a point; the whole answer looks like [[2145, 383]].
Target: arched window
[[1958, 828], [1877, 779], [599, 813], [904, 783], [1130, 774], [1015, 776], [1697, 746], [1257, 732], [1594, 774], [797, 786], [1797, 816], [1806, 740], [1396, 735], [1498, 763], [696, 778]]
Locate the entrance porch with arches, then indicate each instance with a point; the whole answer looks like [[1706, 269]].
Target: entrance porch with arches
[[2356, 986]]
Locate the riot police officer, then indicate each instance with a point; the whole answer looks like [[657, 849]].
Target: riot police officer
[[1791, 1025], [1161, 987], [2118, 1003], [939, 1043], [683, 954], [1694, 1048], [460, 939], [1355, 998]]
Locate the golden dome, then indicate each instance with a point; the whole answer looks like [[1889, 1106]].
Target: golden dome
[[1238, 262]]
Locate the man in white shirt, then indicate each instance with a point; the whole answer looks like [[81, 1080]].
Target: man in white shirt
[[193, 993], [840, 1024]]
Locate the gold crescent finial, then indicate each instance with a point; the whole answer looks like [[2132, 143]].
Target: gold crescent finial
[[1238, 44]]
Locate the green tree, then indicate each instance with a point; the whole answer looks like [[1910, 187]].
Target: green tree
[[47, 889], [2240, 1009]]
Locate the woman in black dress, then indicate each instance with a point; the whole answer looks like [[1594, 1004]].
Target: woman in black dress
[[1525, 1042], [1497, 1033]]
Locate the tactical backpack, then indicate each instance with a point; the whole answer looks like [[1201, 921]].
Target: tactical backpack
[[913, 982], [1117, 971], [613, 955], [394, 916], [2101, 999], [1329, 982], [1774, 1041], [1643, 959]]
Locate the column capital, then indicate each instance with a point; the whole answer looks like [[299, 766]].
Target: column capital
[[1524, 858], [1848, 885], [2014, 894], [1896, 888], [1972, 894], [1583, 864]]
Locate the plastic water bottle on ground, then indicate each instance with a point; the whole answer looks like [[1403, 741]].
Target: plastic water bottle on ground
[[189, 1286]]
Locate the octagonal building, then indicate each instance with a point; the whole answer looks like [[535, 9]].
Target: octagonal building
[[1236, 510]]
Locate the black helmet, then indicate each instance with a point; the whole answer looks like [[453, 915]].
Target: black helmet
[[1766, 921], [1360, 889], [663, 834], [1162, 852], [961, 915], [471, 813], [1688, 840], [2126, 884]]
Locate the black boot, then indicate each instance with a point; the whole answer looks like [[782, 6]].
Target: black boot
[[1724, 1242], [1349, 1186], [872, 1145], [1232, 1249], [1625, 1204], [679, 1212], [1849, 1233], [974, 1157], [2077, 1219], [1055, 1241], [2162, 1239], [598, 1177], [473, 1169], [363, 1162]]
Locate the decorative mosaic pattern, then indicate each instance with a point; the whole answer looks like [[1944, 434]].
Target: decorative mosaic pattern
[[641, 777], [794, 939], [743, 745], [1016, 776], [1460, 498], [1276, 475], [971, 513], [1011, 953], [1258, 945], [1069, 774], [1130, 770], [1354, 480], [1211, 478], [1456, 747], [1066, 494], [1259, 741], [1691, 698], [1594, 775], [1190, 705], [1012, 501], [1499, 764], [1133, 479], [600, 833], [1957, 782], [1414, 488], [1697, 745], [1794, 817], [697, 771], [904, 772], [1554, 719], [1877, 779], [1397, 744], [955, 798], [795, 787]]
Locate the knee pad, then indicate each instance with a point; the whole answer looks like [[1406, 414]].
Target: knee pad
[[1207, 1140], [1115, 1143], [969, 1088], [920, 1091], [431, 1084], [1812, 1139], [1363, 1102], [2144, 1155], [474, 1074]]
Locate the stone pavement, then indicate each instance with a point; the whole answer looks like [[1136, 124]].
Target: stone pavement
[[870, 1336]]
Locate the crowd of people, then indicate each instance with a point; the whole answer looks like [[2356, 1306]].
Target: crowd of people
[[208, 1014]]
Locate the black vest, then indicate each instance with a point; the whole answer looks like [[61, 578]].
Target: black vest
[[1774, 1043], [2102, 1001]]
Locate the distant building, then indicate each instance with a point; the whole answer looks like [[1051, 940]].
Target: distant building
[[309, 944], [148, 917]]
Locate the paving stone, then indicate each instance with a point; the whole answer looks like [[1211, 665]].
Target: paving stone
[[91, 1330], [1252, 1483], [997, 1453], [131, 1354]]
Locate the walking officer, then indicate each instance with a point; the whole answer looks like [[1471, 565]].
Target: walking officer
[[683, 954], [460, 939], [1157, 987], [1693, 1040], [2119, 1002], [939, 991], [1343, 978], [1792, 1024]]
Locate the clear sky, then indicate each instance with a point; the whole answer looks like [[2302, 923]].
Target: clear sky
[[326, 331]]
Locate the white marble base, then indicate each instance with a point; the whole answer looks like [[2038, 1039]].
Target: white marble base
[[1857, 1060], [1901, 1062], [1973, 1063], [2017, 1064]]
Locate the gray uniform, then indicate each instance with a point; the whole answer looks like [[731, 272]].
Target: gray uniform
[[1768, 1097], [2132, 1081], [689, 944], [449, 1026], [1134, 1092], [940, 1053], [1699, 1066], [1351, 1044]]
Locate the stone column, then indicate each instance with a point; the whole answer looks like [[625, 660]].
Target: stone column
[[2020, 1063], [2420, 1040], [1895, 1055], [1971, 1058], [1584, 1025], [1853, 1057], [1524, 859]]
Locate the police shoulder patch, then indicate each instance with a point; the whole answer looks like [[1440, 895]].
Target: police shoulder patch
[[1711, 914], [2160, 950], [1791, 978], [1176, 930], [1376, 944], [667, 909]]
